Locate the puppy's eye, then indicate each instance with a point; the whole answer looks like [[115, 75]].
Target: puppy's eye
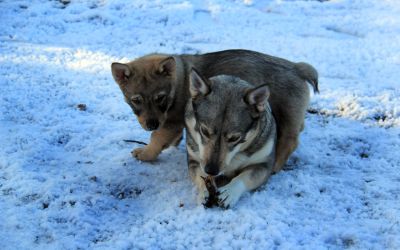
[[160, 98], [136, 100], [204, 131], [232, 138]]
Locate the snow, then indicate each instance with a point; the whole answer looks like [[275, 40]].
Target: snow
[[67, 179]]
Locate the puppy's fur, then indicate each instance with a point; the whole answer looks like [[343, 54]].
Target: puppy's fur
[[231, 133], [157, 88]]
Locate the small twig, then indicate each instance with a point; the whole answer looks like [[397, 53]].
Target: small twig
[[134, 141], [81, 107]]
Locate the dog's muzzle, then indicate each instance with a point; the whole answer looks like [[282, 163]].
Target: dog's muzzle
[[211, 169]]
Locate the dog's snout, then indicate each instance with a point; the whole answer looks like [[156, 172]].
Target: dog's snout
[[152, 124], [211, 169]]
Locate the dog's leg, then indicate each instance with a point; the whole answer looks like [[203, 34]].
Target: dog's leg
[[286, 144], [290, 126], [249, 179], [197, 176], [160, 139], [177, 140]]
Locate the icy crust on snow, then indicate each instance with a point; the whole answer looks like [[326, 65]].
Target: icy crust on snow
[[67, 179]]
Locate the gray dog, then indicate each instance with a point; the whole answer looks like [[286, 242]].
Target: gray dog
[[231, 134]]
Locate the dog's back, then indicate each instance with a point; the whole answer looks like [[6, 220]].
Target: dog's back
[[254, 67]]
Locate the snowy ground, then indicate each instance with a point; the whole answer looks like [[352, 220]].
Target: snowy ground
[[67, 180]]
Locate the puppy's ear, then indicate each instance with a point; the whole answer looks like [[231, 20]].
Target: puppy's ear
[[198, 86], [167, 66], [120, 72], [257, 97]]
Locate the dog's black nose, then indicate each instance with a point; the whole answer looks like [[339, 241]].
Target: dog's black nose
[[152, 124], [211, 169]]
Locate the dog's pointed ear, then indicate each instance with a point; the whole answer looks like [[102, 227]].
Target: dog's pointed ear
[[257, 97], [198, 86], [120, 72], [167, 66]]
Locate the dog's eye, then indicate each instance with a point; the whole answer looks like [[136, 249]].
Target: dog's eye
[[160, 98], [233, 138], [136, 99], [204, 131]]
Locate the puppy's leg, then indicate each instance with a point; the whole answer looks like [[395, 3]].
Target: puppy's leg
[[160, 139], [197, 176], [290, 124], [249, 179], [177, 140], [285, 146]]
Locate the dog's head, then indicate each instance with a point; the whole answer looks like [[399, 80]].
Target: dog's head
[[226, 118], [148, 85]]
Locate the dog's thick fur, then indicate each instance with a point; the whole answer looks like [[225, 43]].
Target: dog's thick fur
[[230, 133], [157, 88]]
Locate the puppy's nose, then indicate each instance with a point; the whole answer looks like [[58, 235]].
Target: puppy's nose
[[152, 124], [211, 169]]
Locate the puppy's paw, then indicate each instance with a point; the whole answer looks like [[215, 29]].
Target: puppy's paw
[[276, 169], [229, 194], [202, 197], [144, 154]]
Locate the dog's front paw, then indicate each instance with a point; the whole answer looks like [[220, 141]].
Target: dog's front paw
[[205, 198], [144, 154], [202, 197], [229, 194]]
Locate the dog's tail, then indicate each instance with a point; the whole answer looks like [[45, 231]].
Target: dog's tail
[[309, 74]]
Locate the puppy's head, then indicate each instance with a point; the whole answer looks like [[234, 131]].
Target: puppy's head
[[148, 86], [227, 113]]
